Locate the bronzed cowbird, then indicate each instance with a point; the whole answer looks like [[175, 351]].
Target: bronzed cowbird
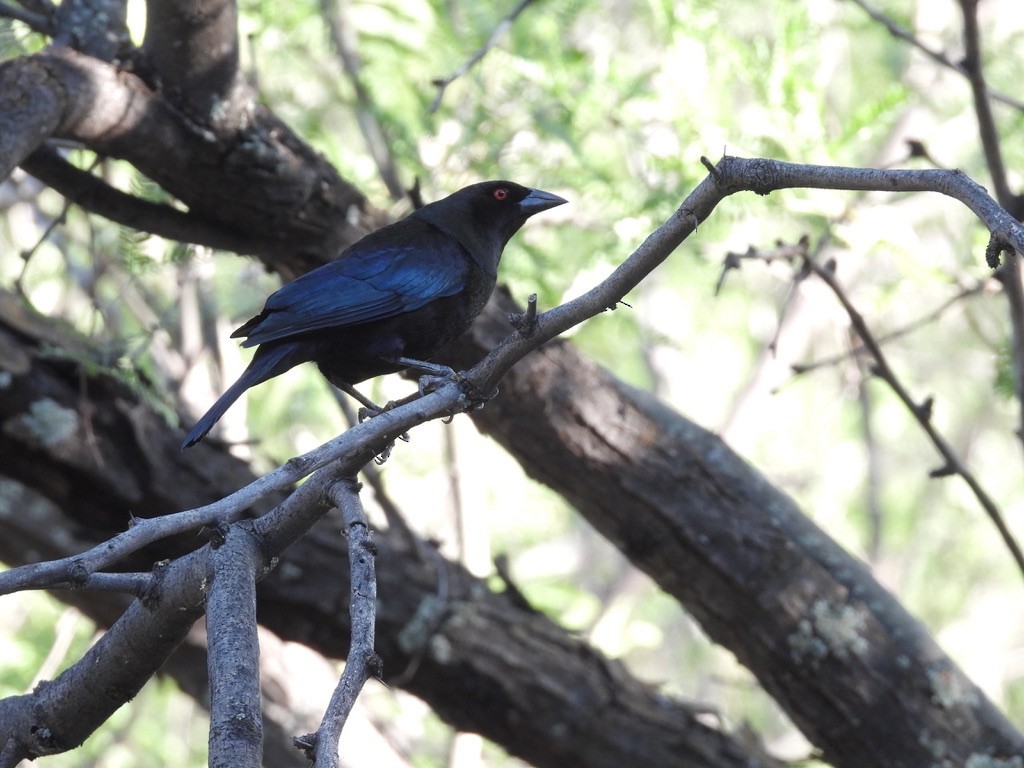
[[391, 300]]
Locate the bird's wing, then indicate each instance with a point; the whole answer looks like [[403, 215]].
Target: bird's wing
[[373, 280]]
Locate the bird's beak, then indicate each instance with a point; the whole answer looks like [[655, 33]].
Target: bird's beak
[[538, 200]]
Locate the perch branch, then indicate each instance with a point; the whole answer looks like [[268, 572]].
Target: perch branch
[[729, 176]]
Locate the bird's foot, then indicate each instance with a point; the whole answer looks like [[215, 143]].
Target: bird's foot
[[368, 412], [473, 398], [436, 380]]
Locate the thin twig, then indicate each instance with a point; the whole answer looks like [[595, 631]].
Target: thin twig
[[902, 33], [135, 584], [922, 412], [1009, 274], [362, 661], [873, 484], [59, 220], [728, 176], [443, 82], [343, 38], [883, 339]]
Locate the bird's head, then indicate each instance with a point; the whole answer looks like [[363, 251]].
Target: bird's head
[[483, 217]]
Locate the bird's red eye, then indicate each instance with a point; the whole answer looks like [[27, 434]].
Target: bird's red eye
[[500, 193]]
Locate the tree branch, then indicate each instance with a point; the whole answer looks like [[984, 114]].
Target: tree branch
[[813, 649], [504, 25], [1010, 275], [921, 412], [729, 176], [193, 47], [267, 183], [940, 58], [858, 675], [98, 28], [607, 717], [236, 726], [361, 660], [96, 196]]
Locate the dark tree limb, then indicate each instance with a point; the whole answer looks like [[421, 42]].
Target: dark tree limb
[[296, 211], [96, 196], [98, 28], [42, 23], [192, 46]]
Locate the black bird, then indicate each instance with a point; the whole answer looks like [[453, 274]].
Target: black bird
[[391, 300]]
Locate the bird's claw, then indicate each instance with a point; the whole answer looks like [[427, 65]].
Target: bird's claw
[[433, 382], [472, 398], [365, 413]]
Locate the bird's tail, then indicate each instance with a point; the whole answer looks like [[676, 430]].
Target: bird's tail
[[269, 361]]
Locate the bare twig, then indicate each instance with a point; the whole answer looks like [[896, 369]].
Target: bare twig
[[361, 661], [26, 256], [443, 82], [728, 176], [1010, 274], [902, 33], [135, 584], [343, 38], [873, 480], [145, 531], [914, 325], [525, 322], [922, 413], [28, 253]]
